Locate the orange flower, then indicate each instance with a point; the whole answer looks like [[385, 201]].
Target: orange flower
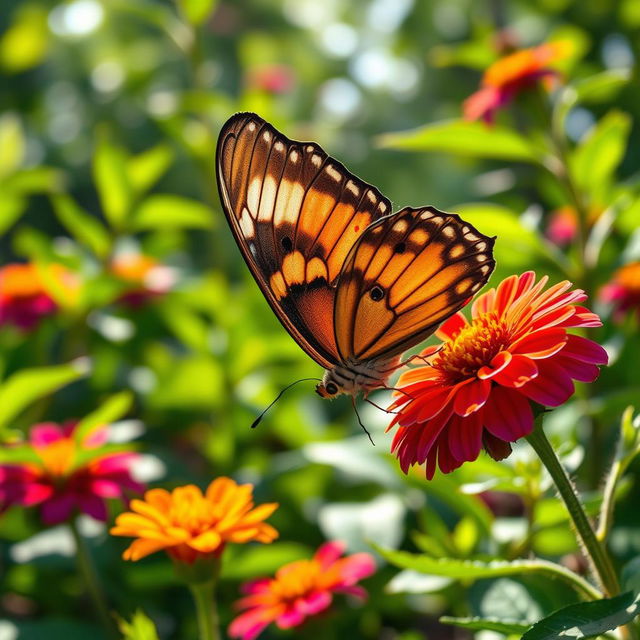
[[510, 75], [189, 524], [143, 276], [26, 292], [482, 380], [624, 290], [299, 590]]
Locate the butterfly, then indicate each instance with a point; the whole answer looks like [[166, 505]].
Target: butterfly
[[353, 283]]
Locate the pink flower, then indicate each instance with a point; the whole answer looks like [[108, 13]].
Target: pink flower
[[143, 278], [563, 226], [66, 476], [299, 590], [272, 78], [484, 377]]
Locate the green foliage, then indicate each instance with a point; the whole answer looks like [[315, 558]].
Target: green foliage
[[139, 628], [586, 619]]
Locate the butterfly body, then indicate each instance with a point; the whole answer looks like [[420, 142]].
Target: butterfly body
[[353, 283]]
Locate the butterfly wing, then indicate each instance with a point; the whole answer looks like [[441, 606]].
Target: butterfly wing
[[406, 274], [295, 213]]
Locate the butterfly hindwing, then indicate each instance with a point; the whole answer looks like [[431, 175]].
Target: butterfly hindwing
[[295, 213], [406, 274]]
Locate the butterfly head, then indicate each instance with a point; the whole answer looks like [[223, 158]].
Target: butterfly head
[[329, 387]]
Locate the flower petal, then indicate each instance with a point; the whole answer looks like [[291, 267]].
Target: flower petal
[[498, 363], [552, 387], [585, 350], [541, 344], [465, 437], [518, 372], [451, 327], [508, 415], [470, 397]]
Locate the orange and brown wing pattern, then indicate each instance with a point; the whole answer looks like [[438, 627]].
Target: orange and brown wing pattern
[[295, 213], [406, 275]]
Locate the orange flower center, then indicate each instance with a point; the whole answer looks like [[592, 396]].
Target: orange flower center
[[57, 457], [296, 580], [192, 512], [629, 277], [473, 347]]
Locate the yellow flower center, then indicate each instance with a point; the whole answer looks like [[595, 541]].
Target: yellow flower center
[[473, 347], [57, 457], [298, 579]]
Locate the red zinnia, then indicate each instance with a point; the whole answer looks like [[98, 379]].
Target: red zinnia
[[481, 381], [509, 75], [299, 590], [624, 290], [59, 482]]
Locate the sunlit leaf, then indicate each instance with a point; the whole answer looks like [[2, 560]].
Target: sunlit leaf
[[476, 569], [600, 152], [109, 411], [85, 227], [12, 144], [40, 179], [486, 624], [11, 208], [161, 211], [112, 181], [586, 619], [140, 627], [197, 11], [473, 139], [147, 168], [28, 385], [409, 581], [24, 44]]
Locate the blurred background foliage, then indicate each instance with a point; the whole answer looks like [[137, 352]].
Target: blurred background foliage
[[109, 114]]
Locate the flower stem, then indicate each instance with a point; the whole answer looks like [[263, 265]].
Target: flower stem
[[206, 610], [90, 577], [595, 551]]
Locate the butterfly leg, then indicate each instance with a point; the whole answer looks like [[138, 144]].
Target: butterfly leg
[[353, 402]]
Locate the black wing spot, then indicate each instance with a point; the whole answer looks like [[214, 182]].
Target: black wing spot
[[286, 243], [401, 247], [376, 293]]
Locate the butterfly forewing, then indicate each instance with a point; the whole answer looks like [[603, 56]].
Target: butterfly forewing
[[404, 276], [295, 213]]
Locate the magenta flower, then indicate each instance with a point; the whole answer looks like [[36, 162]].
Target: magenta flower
[[67, 476]]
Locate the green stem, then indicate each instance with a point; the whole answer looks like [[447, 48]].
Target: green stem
[[92, 583], [206, 610], [595, 551]]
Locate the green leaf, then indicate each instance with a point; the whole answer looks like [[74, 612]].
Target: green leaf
[[586, 619], [197, 11], [140, 627], [11, 208], [166, 211], [109, 411], [112, 181], [145, 169], [18, 454], [476, 569], [12, 143], [601, 151], [82, 225], [487, 624], [601, 87], [36, 180], [28, 385], [473, 139]]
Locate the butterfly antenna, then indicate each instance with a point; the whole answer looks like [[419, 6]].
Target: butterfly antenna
[[353, 402], [377, 406], [256, 422]]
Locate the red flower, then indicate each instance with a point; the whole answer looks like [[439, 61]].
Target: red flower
[[624, 290], [482, 380], [510, 75], [299, 590], [25, 292], [58, 483], [563, 226]]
